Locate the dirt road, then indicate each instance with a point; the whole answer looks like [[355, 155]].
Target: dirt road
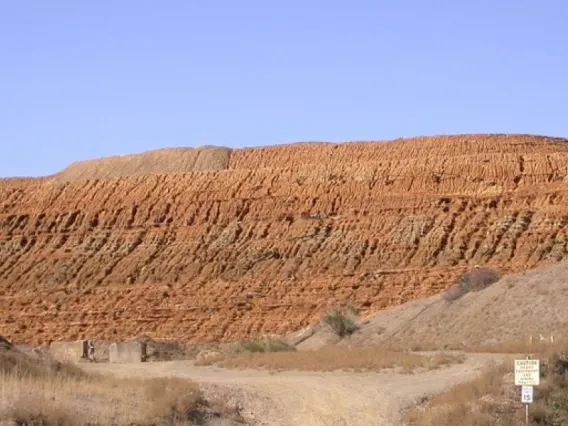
[[313, 398]]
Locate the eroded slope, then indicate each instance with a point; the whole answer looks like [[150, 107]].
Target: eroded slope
[[267, 244]]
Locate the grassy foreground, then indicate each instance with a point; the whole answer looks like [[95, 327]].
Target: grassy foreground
[[42, 393]]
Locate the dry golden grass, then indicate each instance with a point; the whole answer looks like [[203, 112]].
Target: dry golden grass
[[65, 400], [493, 399], [460, 405], [60, 395], [336, 358], [545, 348]]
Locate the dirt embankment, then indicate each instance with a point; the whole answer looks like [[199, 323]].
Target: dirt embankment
[[278, 234], [531, 303], [168, 160]]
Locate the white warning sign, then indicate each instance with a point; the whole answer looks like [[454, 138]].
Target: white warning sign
[[527, 372]]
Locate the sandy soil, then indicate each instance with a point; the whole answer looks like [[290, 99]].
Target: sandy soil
[[310, 398]]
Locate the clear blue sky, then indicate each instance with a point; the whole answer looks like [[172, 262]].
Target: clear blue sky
[[84, 79]]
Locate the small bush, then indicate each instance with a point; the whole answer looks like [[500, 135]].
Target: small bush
[[340, 322], [475, 280]]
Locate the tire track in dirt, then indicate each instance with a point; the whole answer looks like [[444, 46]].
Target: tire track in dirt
[[318, 399]]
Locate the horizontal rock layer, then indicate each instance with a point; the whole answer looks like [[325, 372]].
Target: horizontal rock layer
[[270, 237]]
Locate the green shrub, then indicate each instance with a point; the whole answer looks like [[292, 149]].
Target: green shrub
[[340, 322]]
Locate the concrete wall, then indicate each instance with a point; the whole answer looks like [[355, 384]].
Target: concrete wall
[[101, 350], [123, 352], [68, 351]]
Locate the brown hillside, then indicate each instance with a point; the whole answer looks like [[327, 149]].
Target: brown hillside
[[268, 243]]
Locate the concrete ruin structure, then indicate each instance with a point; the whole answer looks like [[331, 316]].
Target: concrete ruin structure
[[114, 352], [127, 352], [69, 351]]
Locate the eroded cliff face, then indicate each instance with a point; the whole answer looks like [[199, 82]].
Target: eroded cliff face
[[271, 238]]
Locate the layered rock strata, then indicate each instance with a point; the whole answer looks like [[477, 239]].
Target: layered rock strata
[[238, 242]]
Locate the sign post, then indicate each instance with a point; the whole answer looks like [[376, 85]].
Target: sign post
[[527, 375], [527, 398]]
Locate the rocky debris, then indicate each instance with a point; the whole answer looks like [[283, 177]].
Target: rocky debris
[[271, 238]]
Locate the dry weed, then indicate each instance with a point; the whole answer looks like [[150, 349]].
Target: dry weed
[[66, 401], [543, 348], [461, 405], [54, 394], [493, 399], [337, 358]]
